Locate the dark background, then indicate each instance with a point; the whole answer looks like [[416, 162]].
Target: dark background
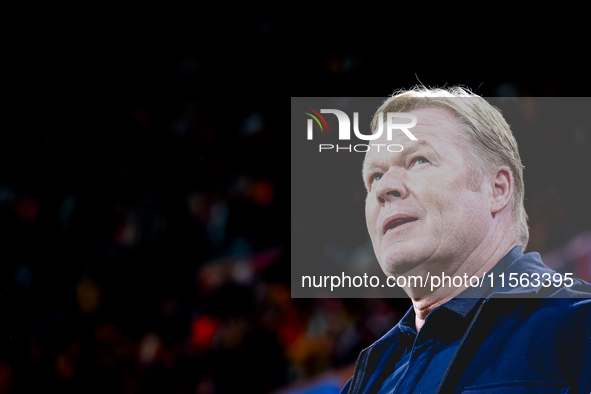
[[144, 197]]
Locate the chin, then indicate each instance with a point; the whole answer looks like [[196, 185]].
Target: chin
[[398, 269], [399, 261]]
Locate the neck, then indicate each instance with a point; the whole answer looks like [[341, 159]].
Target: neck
[[478, 263]]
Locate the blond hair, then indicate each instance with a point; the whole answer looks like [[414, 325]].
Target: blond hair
[[487, 138]]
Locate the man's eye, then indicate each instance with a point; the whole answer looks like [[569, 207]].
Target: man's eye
[[375, 177], [422, 160]]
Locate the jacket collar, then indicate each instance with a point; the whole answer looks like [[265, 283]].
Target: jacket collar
[[527, 264]]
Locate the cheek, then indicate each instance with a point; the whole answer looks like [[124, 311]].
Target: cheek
[[462, 214], [371, 214], [441, 204]]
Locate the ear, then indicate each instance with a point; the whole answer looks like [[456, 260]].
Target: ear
[[502, 190]]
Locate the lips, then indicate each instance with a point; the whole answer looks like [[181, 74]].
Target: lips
[[396, 221]]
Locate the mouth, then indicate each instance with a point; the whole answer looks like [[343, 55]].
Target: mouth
[[397, 221]]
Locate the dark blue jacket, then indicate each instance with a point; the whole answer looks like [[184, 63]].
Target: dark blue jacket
[[514, 344]]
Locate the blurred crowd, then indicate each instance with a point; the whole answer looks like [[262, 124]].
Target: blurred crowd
[[146, 250], [161, 264]]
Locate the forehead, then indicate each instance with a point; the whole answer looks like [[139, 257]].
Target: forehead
[[436, 128]]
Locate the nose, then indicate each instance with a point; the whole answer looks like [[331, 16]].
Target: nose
[[390, 187]]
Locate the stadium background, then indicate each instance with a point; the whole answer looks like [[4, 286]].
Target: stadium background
[[144, 205]]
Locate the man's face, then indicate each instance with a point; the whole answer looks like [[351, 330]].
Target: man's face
[[422, 215]]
